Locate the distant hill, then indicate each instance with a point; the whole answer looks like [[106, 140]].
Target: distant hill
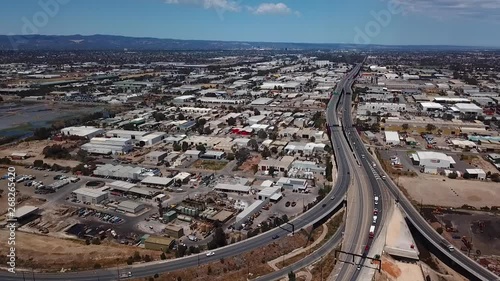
[[112, 42]]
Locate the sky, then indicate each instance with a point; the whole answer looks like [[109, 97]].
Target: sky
[[388, 22]]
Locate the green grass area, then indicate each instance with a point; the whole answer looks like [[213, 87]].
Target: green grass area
[[209, 165]]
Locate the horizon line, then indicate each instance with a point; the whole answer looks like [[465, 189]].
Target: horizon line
[[272, 42]]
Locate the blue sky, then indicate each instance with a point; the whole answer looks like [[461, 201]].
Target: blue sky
[[406, 22]]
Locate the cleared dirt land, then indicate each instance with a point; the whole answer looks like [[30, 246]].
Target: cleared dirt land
[[432, 190], [52, 254]]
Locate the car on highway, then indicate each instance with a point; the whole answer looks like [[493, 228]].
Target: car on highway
[[276, 236], [324, 205], [332, 198], [375, 211], [209, 254]]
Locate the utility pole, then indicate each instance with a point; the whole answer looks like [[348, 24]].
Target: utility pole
[[33, 272]]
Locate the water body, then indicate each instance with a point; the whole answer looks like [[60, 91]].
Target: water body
[[21, 119]]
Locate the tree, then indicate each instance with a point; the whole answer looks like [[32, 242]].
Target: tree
[[201, 122], [312, 139], [242, 155], [253, 144], [177, 147], [181, 117], [158, 116], [405, 127], [430, 127], [207, 130], [256, 112], [163, 256], [265, 152], [271, 171], [185, 146], [42, 133], [142, 143], [291, 276], [230, 156], [274, 149], [453, 175], [439, 230], [231, 121], [201, 147], [262, 134], [38, 163], [219, 237]]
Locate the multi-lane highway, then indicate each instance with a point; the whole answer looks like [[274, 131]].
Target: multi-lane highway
[[357, 240], [475, 269]]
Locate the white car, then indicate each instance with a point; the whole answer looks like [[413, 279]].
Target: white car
[[209, 254]]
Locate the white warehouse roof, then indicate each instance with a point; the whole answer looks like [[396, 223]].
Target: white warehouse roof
[[435, 155]]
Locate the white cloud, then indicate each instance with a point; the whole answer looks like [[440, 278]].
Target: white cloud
[[219, 5], [464, 9], [272, 8]]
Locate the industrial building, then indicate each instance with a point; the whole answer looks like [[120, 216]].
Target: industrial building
[[248, 212], [124, 172], [432, 159], [262, 101], [132, 135], [237, 188], [305, 148], [155, 157], [174, 231], [130, 207], [159, 182], [270, 194], [467, 110], [306, 166], [82, 131], [430, 106], [91, 195], [279, 165], [213, 155], [479, 174], [108, 146], [24, 211], [153, 138], [293, 184], [392, 138], [192, 154], [158, 243]]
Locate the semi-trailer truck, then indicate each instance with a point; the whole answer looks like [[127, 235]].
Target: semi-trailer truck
[[372, 231]]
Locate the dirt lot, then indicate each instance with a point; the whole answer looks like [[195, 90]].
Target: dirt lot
[[34, 149], [432, 190], [248, 165], [209, 165], [40, 251]]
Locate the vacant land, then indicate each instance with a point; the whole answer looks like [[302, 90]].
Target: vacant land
[[209, 165], [52, 254], [35, 148], [442, 191]]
